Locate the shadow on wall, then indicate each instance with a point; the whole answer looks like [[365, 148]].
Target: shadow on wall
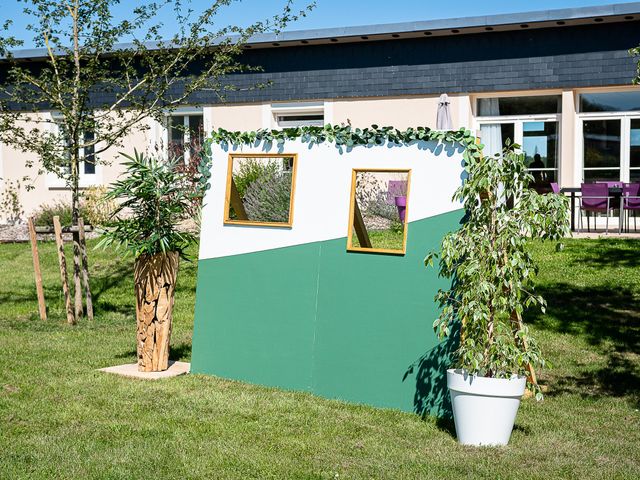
[[431, 396]]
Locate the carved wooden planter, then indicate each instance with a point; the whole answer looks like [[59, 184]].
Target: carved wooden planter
[[155, 283]]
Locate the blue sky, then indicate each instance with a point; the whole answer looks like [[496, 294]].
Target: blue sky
[[336, 13]]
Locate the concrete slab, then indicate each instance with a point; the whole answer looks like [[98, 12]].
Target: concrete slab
[[131, 370]]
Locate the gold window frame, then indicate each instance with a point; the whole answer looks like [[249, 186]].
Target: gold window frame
[[231, 186], [352, 212]]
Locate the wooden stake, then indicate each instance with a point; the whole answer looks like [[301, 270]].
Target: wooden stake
[[85, 268], [77, 285], [359, 226], [63, 270], [42, 306]]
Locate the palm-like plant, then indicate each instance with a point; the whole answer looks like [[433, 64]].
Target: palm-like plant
[[152, 201], [153, 198]]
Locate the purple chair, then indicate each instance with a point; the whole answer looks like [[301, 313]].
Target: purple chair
[[555, 188], [631, 202], [594, 199]]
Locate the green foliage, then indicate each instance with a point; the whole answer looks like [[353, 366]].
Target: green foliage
[[251, 170], [491, 270], [105, 74], [635, 52], [152, 203], [43, 217], [345, 136], [97, 209], [268, 198]]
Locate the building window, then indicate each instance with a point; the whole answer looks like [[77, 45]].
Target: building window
[[299, 114], [610, 102], [185, 134], [532, 123], [510, 106], [378, 211], [88, 169], [602, 141], [610, 123], [260, 189]]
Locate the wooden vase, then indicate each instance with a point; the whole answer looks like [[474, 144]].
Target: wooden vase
[[155, 283]]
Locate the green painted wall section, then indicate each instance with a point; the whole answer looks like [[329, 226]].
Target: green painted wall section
[[314, 317]]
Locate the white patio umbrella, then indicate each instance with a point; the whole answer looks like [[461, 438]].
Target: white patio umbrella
[[443, 120]]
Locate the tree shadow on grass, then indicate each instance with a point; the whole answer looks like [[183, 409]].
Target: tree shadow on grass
[[607, 318], [606, 252]]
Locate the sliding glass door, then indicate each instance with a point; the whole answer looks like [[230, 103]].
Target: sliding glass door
[[602, 148], [538, 140], [634, 151], [611, 149]]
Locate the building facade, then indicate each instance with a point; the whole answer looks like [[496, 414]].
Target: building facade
[[559, 83]]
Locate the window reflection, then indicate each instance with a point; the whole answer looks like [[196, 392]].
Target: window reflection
[[610, 102], [535, 105], [601, 150], [540, 146]]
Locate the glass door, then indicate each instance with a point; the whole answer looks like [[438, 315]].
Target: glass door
[[634, 151], [602, 140], [540, 146]]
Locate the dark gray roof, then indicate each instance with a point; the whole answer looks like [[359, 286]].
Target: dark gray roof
[[451, 26]]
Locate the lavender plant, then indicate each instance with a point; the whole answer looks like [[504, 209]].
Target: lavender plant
[[267, 199]]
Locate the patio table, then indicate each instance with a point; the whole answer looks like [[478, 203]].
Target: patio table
[[613, 192]]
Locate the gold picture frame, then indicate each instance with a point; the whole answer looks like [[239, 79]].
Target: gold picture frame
[[232, 197], [358, 223]]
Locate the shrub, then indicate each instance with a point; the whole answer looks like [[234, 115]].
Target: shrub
[[97, 209], [43, 217], [372, 199], [10, 206], [268, 199], [253, 169]]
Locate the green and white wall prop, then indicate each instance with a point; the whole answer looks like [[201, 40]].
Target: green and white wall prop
[[292, 308]]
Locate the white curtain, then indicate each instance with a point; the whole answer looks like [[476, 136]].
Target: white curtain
[[491, 134]]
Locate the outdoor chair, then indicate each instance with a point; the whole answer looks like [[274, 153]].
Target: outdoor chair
[[555, 188], [594, 199], [630, 202]]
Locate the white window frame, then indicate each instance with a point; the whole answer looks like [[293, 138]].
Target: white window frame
[[625, 141], [518, 121], [275, 110], [85, 180], [179, 112]]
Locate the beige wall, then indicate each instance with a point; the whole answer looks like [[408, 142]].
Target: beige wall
[[400, 112], [44, 189], [235, 117]]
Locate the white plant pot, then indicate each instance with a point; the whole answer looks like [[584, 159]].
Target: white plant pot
[[484, 409]]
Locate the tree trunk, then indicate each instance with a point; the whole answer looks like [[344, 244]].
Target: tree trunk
[[155, 283], [75, 214]]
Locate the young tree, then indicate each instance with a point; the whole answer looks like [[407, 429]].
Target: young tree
[[102, 89]]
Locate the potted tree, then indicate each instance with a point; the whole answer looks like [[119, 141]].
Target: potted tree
[[154, 197], [492, 284]]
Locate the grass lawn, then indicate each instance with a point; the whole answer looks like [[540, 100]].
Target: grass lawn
[[382, 239], [60, 418]]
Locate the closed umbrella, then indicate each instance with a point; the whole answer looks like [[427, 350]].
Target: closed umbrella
[[443, 120]]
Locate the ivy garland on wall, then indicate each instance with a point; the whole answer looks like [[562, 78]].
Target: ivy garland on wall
[[349, 137]]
